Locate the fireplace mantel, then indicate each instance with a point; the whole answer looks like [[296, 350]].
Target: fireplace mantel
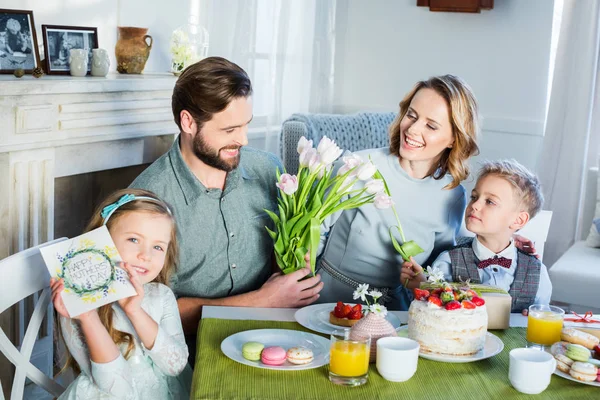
[[60, 126]]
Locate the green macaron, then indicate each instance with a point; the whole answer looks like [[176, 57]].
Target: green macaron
[[251, 350], [577, 352]]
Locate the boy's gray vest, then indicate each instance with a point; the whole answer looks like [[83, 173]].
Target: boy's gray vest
[[527, 275]]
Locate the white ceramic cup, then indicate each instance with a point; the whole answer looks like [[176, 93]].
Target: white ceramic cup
[[529, 370], [397, 358]]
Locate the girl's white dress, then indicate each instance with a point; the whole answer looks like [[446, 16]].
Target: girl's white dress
[[160, 373]]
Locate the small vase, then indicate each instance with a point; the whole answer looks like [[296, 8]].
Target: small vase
[[376, 326], [78, 62], [100, 62], [132, 49], [189, 44]]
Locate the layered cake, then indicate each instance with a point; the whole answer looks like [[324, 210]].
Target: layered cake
[[448, 321]]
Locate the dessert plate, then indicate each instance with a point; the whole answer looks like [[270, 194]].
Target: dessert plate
[[493, 345], [569, 377], [316, 318], [232, 346]]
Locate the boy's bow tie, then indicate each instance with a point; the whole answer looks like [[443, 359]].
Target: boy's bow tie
[[501, 261]]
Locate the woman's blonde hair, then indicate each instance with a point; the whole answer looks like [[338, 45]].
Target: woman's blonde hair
[[464, 118], [156, 206]]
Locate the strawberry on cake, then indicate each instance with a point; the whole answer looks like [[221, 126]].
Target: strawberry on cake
[[448, 320], [345, 314]]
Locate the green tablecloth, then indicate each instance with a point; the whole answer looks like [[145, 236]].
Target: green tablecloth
[[218, 377]]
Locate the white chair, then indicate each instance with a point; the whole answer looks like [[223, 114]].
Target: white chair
[[22, 275]]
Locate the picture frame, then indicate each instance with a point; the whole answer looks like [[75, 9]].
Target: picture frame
[[17, 30], [58, 42]]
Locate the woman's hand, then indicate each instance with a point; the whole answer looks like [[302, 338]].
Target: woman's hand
[[411, 274], [525, 245], [57, 286], [132, 304]]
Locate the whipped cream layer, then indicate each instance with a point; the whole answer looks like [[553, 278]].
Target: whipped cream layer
[[454, 332]]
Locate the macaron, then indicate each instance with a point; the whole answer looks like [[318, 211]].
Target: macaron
[[583, 371], [252, 350], [273, 355], [300, 355], [577, 352], [558, 348], [563, 363], [595, 362]]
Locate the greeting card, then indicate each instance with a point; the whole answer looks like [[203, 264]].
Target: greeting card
[[89, 267]]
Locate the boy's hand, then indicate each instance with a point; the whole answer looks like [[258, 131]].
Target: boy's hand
[[411, 274]]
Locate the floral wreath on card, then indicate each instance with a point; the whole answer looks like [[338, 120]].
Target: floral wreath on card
[[88, 291]]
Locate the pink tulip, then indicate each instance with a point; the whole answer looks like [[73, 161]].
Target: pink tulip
[[351, 161], [288, 184], [383, 201]]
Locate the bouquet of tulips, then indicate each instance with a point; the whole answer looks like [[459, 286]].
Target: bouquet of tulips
[[309, 197]]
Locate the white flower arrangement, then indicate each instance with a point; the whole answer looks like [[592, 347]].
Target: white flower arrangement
[[434, 275], [362, 291]]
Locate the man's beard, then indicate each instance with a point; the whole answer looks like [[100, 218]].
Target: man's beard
[[210, 156]]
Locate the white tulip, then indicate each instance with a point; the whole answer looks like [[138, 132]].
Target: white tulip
[[374, 186], [366, 171], [308, 154], [330, 154], [303, 144]]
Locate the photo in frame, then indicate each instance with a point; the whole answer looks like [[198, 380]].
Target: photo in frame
[[58, 42], [89, 267], [18, 41]]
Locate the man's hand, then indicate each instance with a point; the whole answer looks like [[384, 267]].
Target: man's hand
[[286, 291], [525, 245]]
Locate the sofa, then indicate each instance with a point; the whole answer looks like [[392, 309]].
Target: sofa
[[575, 275], [365, 130]]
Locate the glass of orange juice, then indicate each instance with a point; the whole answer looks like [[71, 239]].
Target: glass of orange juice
[[349, 359], [544, 324]]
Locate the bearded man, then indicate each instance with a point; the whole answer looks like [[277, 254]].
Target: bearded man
[[219, 189]]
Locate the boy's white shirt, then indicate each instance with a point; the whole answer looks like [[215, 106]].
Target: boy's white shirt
[[496, 275]]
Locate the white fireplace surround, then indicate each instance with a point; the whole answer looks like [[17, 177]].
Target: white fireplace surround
[[60, 126]]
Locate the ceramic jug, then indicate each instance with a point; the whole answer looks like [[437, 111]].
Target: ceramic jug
[[78, 62], [100, 62], [132, 50]]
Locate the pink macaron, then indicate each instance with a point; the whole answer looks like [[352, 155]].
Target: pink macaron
[[274, 355]]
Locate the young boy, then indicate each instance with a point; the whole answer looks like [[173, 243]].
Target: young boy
[[506, 196]]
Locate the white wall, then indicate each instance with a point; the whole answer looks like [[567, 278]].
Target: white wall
[[383, 47]]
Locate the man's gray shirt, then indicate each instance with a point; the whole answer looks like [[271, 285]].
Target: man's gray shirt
[[224, 248]]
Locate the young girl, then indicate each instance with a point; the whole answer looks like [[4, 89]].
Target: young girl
[[134, 349]]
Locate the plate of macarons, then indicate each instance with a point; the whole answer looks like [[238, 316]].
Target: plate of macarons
[[279, 349], [577, 356]]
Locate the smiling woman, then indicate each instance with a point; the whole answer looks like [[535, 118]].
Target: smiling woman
[[431, 140]]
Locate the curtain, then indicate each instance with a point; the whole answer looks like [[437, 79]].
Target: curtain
[[570, 144], [287, 48]]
